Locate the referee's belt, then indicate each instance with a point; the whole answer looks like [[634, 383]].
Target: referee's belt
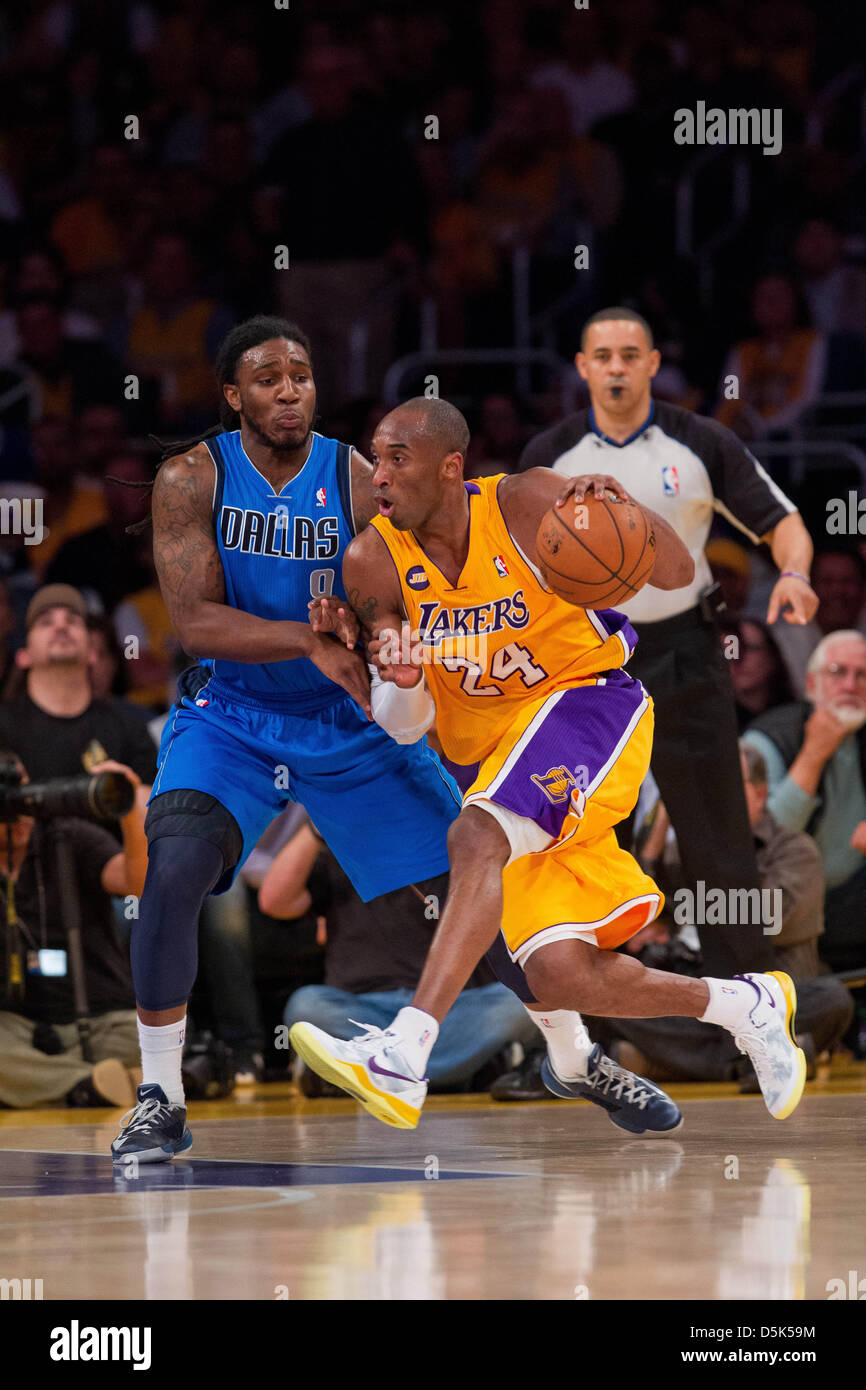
[[650, 633]]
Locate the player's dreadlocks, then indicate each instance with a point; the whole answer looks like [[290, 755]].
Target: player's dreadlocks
[[246, 335]]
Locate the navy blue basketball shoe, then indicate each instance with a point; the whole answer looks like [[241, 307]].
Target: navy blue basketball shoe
[[633, 1103], [156, 1130]]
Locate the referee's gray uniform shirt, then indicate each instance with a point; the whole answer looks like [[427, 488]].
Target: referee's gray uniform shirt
[[684, 467]]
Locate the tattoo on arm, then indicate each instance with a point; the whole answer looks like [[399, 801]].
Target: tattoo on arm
[[365, 608], [184, 545]]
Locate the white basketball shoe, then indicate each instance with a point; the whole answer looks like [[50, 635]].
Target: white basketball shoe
[[370, 1067], [766, 1036]]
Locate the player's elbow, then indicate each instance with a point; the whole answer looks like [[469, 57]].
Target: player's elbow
[[283, 904], [685, 572], [675, 571], [191, 632]]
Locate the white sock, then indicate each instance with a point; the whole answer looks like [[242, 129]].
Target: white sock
[[161, 1055], [568, 1042], [730, 1002], [417, 1032]]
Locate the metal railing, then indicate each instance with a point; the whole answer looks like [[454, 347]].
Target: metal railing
[[521, 359], [817, 422], [798, 451]]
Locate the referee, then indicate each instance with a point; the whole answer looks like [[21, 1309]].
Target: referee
[[685, 467]]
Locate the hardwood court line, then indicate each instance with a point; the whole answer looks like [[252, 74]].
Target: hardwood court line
[[275, 1163], [659, 1145], [288, 1196]]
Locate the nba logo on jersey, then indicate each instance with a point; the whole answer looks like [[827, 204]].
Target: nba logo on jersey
[[670, 480], [321, 497], [202, 704], [501, 567], [416, 578]]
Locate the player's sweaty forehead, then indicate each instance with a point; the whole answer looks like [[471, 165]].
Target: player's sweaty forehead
[[276, 352], [404, 431]]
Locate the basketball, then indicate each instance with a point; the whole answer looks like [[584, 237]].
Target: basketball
[[597, 554]]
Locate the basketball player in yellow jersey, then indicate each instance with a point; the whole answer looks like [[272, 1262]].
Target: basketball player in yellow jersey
[[532, 688]]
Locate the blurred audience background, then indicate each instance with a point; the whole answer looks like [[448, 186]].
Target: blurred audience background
[[440, 197]]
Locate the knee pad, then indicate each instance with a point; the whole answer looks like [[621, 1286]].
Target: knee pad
[[197, 814]]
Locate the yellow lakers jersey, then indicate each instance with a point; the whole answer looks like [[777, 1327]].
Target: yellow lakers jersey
[[499, 636]]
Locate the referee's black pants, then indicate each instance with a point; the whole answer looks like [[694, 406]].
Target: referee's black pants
[[696, 763]]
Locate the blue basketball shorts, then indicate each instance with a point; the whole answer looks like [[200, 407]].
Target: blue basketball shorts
[[383, 808]]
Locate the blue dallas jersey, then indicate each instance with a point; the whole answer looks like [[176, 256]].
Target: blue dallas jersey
[[278, 551], [382, 807]]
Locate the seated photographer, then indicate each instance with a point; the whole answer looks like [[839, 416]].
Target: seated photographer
[[374, 954], [41, 1058], [56, 725]]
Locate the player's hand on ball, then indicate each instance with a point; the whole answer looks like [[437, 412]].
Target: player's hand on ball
[[347, 669], [596, 484], [330, 615], [388, 653]]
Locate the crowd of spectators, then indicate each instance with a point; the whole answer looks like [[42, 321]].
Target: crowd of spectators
[[167, 168]]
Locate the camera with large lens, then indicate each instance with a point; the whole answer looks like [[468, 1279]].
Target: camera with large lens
[[107, 795]]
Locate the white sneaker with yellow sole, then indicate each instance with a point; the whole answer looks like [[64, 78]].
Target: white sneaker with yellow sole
[[766, 1036], [370, 1067]]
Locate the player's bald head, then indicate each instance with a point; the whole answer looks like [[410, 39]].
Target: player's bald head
[[436, 425], [417, 452]]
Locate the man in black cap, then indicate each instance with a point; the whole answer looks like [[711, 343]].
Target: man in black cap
[[56, 726]]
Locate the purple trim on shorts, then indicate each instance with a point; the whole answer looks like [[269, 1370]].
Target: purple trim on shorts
[[568, 750]]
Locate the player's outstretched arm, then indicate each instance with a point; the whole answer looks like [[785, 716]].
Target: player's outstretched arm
[[193, 585], [526, 497]]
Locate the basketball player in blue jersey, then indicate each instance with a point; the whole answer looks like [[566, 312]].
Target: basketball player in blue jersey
[[250, 527]]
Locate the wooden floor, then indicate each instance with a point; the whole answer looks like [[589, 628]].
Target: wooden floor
[[315, 1200]]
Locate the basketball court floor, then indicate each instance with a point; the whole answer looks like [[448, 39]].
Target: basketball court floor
[[286, 1198]]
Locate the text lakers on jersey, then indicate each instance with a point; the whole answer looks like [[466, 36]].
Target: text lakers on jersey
[[498, 636]]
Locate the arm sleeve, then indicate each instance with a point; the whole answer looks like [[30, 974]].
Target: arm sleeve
[[404, 714], [744, 492], [787, 803]]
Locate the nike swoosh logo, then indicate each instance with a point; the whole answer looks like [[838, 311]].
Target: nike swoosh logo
[[383, 1071], [757, 988]]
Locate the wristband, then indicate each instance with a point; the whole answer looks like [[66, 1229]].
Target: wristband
[[795, 574]]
